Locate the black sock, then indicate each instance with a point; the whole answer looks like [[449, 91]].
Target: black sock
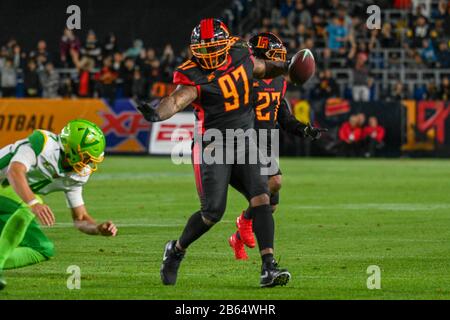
[[194, 229], [267, 258], [247, 214], [263, 226]]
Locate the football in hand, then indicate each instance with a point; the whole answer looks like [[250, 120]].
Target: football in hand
[[302, 67]]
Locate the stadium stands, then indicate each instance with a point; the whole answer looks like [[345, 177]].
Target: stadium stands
[[411, 49]]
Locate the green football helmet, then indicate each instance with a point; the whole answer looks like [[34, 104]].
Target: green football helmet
[[84, 145]]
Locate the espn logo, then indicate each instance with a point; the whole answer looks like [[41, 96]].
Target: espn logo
[[174, 132]]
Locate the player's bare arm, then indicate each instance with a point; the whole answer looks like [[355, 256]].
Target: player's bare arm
[[18, 180], [267, 69], [164, 109], [86, 224]]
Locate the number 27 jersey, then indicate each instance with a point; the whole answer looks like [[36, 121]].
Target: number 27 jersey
[[225, 94]]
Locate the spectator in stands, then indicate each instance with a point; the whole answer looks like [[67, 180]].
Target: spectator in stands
[[360, 90], [431, 92], [287, 7], [326, 60], [421, 30], [444, 93], [19, 57], [300, 15], [117, 61], [350, 135], [127, 76], [107, 80], [300, 37], [69, 46], [32, 82], [167, 63], [328, 87], [41, 54], [387, 39], [309, 44], [418, 61], [8, 79], [443, 55], [151, 66], [361, 50], [266, 25], [344, 17], [286, 30], [91, 48], [110, 45], [50, 81], [373, 135], [139, 88], [85, 82], [67, 88], [361, 120], [12, 42], [397, 93], [427, 53], [3, 56], [135, 50], [336, 34]]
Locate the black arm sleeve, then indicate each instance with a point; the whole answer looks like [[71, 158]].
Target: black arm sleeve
[[288, 122]]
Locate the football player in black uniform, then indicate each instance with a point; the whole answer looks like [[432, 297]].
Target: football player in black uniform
[[217, 81], [271, 108]]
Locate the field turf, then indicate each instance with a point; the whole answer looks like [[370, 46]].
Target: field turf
[[336, 218]]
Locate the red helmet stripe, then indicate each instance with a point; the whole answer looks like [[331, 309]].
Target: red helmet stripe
[[207, 29]]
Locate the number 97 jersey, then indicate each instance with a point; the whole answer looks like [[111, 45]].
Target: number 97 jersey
[[224, 94]]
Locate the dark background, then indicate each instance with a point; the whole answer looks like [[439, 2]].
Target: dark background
[[156, 22]]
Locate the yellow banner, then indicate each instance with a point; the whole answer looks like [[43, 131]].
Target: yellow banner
[[19, 117]]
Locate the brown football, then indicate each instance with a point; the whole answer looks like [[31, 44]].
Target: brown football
[[302, 67]]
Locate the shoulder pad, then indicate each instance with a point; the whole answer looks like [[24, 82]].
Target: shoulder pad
[[37, 140]]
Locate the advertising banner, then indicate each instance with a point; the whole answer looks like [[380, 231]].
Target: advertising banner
[[426, 127], [173, 135], [125, 129]]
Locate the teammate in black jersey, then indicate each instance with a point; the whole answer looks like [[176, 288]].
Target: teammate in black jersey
[[271, 108], [217, 81]]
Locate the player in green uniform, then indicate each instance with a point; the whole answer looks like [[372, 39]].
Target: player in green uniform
[[41, 164]]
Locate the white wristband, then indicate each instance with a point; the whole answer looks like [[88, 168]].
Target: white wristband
[[33, 202]]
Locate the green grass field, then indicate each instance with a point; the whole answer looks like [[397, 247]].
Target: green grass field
[[336, 218]]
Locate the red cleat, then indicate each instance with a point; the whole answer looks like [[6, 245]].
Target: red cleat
[[245, 228], [238, 247]]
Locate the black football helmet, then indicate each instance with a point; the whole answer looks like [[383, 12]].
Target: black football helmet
[[210, 43], [266, 45]]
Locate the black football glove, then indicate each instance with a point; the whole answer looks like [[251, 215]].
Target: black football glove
[[148, 110], [314, 133]]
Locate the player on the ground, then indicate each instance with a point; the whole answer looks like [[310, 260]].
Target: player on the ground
[[217, 81], [271, 108], [41, 164]]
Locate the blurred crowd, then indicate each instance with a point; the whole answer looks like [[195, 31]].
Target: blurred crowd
[[89, 68], [335, 30]]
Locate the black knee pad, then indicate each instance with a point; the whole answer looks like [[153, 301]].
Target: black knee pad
[[274, 199]]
